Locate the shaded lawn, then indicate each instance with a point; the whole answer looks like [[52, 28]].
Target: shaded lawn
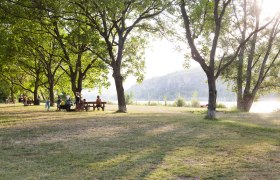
[[147, 143]]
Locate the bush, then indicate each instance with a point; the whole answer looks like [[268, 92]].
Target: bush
[[195, 103], [129, 98], [194, 100], [180, 102], [220, 105], [153, 103], [165, 100]]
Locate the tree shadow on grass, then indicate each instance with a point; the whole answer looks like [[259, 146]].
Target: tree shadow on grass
[[135, 147]]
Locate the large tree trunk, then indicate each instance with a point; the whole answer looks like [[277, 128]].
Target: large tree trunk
[[247, 103], [120, 91], [12, 93], [76, 88], [43, 96], [240, 64], [73, 83], [51, 97], [240, 80], [35, 93], [211, 114], [51, 93]]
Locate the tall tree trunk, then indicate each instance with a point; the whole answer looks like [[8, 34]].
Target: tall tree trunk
[[12, 93], [43, 96], [240, 64], [35, 95], [247, 103], [211, 114], [120, 91], [80, 82], [73, 83], [240, 79], [51, 91], [76, 88], [51, 97]]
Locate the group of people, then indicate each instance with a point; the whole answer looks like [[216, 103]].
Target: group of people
[[79, 103]]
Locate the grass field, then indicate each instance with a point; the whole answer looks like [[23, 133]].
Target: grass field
[[146, 143]]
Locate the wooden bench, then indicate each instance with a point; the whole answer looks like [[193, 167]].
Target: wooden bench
[[94, 105]]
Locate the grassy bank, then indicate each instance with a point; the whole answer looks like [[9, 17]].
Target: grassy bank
[[146, 143]]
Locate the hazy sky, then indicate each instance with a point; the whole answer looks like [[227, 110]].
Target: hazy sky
[[161, 58]]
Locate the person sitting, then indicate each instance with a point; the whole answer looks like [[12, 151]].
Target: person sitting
[[68, 101], [98, 102], [82, 105]]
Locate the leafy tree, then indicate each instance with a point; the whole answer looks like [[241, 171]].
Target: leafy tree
[[258, 62], [48, 52], [207, 23], [26, 59], [9, 48], [115, 22], [180, 101], [74, 40], [8, 86]]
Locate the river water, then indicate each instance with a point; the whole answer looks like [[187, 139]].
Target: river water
[[262, 106], [257, 107]]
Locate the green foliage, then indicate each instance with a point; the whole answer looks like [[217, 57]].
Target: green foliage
[[129, 98], [4, 91], [133, 58], [221, 105], [180, 101], [256, 71], [165, 100], [194, 99], [153, 103]]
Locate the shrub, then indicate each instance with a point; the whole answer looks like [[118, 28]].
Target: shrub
[[180, 102], [194, 100], [195, 103], [153, 103], [129, 98], [220, 105], [165, 100]]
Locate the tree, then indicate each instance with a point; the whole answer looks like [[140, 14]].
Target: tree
[[74, 40], [48, 52], [258, 61], [9, 85], [22, 67], [115, 22], [208, 21]]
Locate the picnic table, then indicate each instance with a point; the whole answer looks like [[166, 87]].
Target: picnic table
[[94, 105], [29, 103]]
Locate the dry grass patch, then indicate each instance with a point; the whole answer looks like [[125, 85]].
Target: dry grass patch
[[146, 143]]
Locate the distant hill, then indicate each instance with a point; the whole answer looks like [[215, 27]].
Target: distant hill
[[182, 83]]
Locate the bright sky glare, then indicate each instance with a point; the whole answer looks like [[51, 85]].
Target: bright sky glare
[[161, 58], [270, 8]]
